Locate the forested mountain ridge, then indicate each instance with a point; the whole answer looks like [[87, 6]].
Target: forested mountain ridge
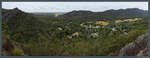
[[18, 22], [7, 14], [19, 28], [106, 15]]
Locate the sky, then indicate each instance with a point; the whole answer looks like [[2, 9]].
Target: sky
[[70, 6]]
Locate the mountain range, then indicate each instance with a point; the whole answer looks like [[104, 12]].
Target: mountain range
[[106, 15]]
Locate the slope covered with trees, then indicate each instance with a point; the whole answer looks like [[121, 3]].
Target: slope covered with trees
[[106, 15], [76, 33]]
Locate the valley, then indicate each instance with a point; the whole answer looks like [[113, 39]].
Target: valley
[[76, 33]]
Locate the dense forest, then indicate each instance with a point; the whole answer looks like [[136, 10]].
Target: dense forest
[[76, 33]]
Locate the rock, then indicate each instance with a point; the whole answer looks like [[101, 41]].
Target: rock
[[146, 52], [60, 28], [140, 53], [94, 35], [141, 41], [135, 48], [7, 47], [129, 50], [143, 52]]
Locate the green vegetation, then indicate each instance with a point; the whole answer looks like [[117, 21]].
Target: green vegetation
[[57, 36], [16, 52]]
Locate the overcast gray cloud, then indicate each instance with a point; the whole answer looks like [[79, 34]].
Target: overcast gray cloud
[[70, 6]]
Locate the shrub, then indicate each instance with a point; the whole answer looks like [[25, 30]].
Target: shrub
[[16, 52], [113, 54]]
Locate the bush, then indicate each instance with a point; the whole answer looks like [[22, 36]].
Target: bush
[[16, 52], [113, 54]]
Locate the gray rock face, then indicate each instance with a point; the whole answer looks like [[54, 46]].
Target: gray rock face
[[143, 52], [141, 41], [135, 48]]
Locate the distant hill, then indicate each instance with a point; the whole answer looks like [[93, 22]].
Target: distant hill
[[18, 22], [48, 13], [106, 15]]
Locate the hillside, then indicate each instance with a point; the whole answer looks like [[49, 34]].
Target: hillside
[[106, 15], [76, 33], [19, 21], [18, 28]]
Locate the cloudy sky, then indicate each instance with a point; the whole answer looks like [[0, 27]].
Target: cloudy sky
[[70, 6]]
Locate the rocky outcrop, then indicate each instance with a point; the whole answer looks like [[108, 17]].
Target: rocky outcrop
[[8, 48], [143, 52], [137, 48]]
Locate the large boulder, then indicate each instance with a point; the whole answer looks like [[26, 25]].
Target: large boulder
[[135, 48]]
